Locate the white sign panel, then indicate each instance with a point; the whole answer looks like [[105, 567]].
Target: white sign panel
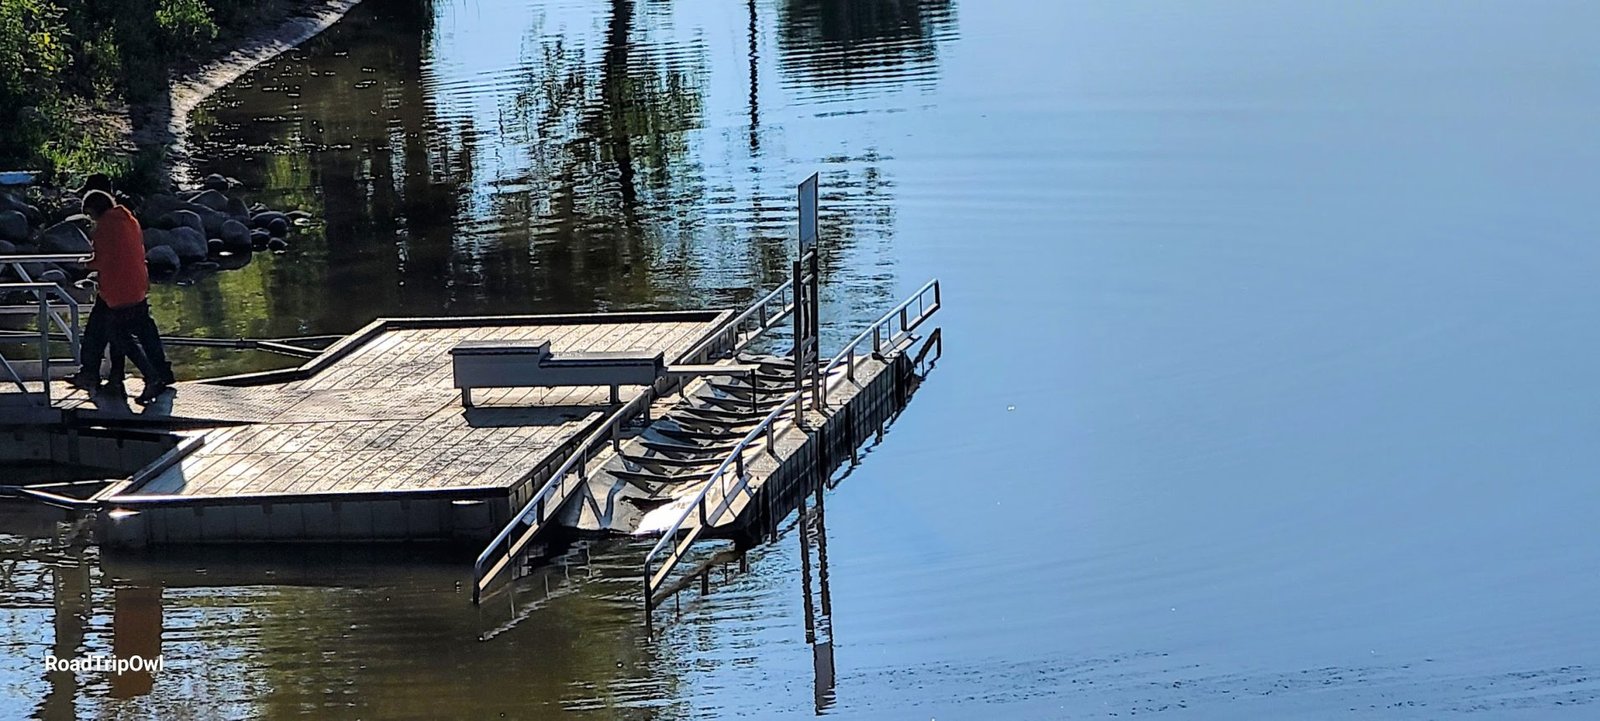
[[808, 213]]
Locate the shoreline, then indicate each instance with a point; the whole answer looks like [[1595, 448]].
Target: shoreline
[[164, 124]]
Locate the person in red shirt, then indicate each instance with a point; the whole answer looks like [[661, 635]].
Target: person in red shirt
[[121, 315]]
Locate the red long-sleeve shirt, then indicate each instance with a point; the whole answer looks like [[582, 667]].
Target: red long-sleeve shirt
[[119, 256]]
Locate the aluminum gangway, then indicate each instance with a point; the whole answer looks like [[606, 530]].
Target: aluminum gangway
[[727, 340], [731, 488]]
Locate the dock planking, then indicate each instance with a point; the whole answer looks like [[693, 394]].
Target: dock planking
[[384, 418]]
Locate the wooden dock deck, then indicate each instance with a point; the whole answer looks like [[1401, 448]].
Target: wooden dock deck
[[375, 418]]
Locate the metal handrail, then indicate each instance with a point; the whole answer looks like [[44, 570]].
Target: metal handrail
[[783, 294], [538, 509], [19, 263], [847, 357], [12, 374], [735, 458], [47, 318], [281, 346], [16, 258]]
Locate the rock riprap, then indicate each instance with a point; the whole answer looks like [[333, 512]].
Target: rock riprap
[[207, 229]]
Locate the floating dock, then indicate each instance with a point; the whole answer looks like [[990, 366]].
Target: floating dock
[[374, 439], [370, 441]]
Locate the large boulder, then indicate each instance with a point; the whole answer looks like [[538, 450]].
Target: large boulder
[[183, 219], [212, 221], [158, 205], [13, 226], [265, 218], [238, 210], [233, 261], [235, 237], [81, 220], [162, 258], [38, 271], [298, 215], [64, 237], [212, 199], [70, 205], [7, 248], [12, 202], [156, 236], [259, 238], [188, 243], [214, 182]]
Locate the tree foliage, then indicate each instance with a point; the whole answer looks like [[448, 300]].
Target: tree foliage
[[61, 57], [32, 48]]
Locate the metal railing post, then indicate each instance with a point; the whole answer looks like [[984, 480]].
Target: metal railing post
[[75, 338], [44, 343], [649, 602]]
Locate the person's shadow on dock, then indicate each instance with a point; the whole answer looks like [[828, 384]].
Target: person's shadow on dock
[[117, 404]]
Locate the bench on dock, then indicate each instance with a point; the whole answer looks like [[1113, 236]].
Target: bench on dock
[[531, 363]]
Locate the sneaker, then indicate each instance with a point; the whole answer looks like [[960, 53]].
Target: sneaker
[[152, 392], [84, 381]]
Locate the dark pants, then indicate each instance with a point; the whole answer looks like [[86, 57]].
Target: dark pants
[[96, 340], [130, 332]]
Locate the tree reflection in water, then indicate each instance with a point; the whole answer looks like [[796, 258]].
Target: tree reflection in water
[[585, 177], [850, 43]]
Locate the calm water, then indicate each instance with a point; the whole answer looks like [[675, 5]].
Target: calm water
[[1269, 391]]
